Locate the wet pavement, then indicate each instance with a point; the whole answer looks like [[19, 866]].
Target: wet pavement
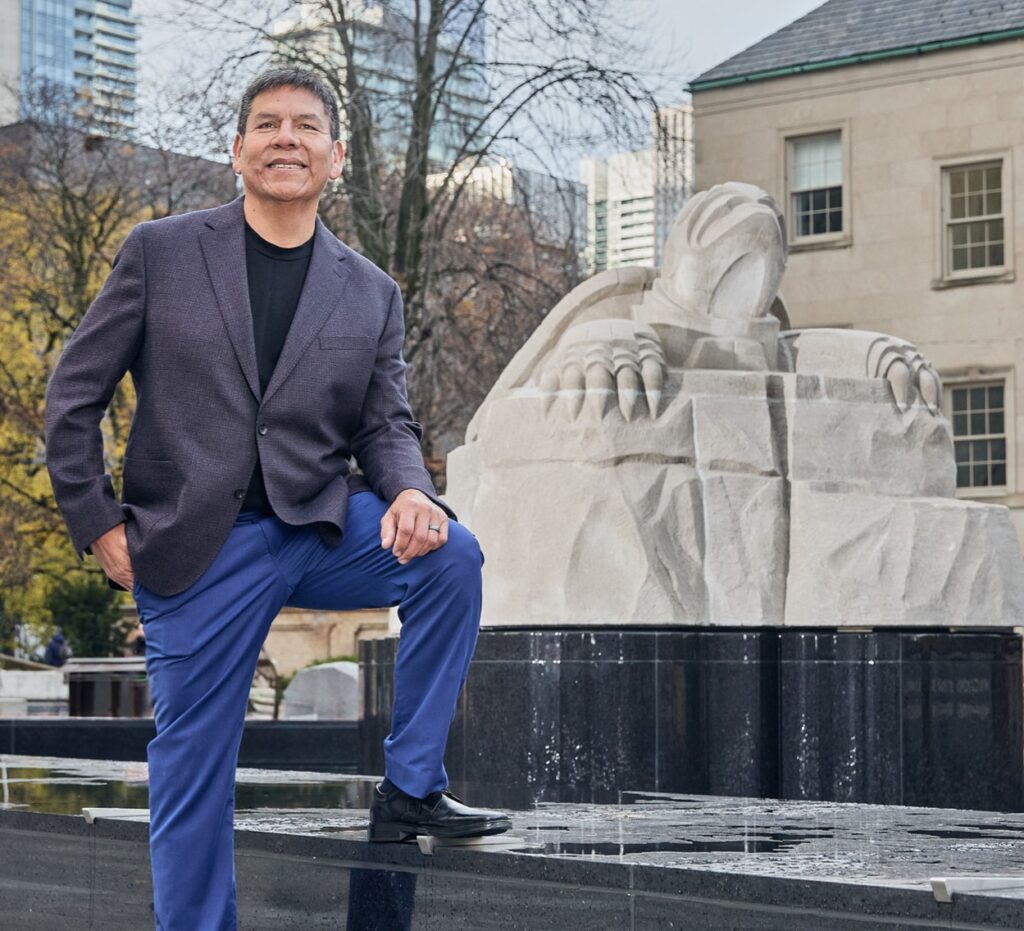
[[853, 843], [648, 837]]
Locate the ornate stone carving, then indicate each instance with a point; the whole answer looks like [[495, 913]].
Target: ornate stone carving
[[660, 453]]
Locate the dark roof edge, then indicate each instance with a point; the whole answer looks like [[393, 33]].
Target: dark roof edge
[[862, 58]]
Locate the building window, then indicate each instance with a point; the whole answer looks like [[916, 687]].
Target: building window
[[974, 217], [979, 433], [816, 185]]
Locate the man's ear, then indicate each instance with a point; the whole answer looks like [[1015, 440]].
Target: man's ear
[[236, 148], [339, 160]]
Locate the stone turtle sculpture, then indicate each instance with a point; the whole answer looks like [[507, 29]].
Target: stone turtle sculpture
[[665, 450]]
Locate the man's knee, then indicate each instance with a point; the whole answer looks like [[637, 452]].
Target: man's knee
[[462, 554]]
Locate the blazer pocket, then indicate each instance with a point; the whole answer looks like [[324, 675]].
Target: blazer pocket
[[348, 342], [146, 481]]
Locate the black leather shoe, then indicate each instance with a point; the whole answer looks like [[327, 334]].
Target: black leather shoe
[[396, 816]]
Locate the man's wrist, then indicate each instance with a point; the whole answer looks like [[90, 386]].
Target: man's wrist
[[88, 549], [431, 496]]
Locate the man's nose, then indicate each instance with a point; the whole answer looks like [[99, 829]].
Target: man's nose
[[286, 134]]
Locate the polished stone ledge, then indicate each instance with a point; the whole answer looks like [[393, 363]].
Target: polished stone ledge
[[648, 861]]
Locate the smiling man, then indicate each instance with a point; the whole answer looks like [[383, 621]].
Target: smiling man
[[265, 355]]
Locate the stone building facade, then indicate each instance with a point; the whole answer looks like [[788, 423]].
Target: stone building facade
[[893, 139]]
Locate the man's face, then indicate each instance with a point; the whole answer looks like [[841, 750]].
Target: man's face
[[286, 154]]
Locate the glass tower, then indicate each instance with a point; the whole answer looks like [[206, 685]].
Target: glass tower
[[382, 52], [87, 47]]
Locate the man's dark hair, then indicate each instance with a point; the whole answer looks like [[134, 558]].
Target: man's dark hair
[[290, 77]]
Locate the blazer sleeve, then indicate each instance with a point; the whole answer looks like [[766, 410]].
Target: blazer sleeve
[[387, 445], [93, 361]]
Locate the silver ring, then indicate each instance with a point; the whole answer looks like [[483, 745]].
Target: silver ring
[[432, 527]]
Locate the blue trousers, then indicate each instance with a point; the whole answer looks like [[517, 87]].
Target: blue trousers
[[201, 651]]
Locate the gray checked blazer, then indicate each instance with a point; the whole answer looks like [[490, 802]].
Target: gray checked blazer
[[174, 312]]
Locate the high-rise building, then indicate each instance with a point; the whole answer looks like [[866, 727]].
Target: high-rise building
[[87, 48], [594, 175], [633, 197], [620, 204], [382, 52], [557, 207], [672, 128]]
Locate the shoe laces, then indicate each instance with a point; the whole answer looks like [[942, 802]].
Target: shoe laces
[[434, 798]]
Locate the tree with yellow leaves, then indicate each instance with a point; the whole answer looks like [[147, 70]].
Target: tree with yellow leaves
[[68, 197]]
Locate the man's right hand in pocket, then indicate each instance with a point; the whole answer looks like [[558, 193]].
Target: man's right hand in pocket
[[111, 552]]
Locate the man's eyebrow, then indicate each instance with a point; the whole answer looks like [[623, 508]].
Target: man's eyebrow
[[302, 116]]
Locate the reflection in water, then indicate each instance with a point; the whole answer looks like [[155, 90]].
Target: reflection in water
[[61, 786], [773, 843], [772, 838], [65, 792], [67, 789], [380, 900], [995, 832]]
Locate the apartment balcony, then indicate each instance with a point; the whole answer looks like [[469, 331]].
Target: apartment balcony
[[105, 42], [113, 67], [116, 31], [127, 93], [116, 14]]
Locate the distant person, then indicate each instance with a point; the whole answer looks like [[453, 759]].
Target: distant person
[[135, 642], [58, 650], [265, 354]]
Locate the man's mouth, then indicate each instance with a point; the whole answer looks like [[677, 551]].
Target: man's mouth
[[286, 166]]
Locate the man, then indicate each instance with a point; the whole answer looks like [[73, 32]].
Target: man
[[264, 353], [58, 650]]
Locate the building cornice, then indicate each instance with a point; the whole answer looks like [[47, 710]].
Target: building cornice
[[859, 59], [743, 96]]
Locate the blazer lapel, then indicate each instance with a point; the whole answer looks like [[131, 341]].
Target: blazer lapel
[[223, 248], [325, 282]]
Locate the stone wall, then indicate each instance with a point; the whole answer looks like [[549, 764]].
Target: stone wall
[[900, 119]]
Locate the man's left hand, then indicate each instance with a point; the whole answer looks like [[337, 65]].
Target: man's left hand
[[406, 526]]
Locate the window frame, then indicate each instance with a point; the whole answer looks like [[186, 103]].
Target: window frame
[[946, 276], [788, 137], [979, 378]]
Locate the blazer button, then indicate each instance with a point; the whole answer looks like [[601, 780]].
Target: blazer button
[[239, 493], [263, 429]]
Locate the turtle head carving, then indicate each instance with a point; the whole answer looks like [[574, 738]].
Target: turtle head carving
[[726, 254]]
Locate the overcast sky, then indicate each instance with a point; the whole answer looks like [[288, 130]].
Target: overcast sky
[[706, 33], [686, 37], [696, 34]]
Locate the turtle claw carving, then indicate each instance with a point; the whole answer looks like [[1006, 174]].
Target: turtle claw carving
[[909, 374], [652, 373], [549, 388], [929, 385], [602, 366], [862, 354], [901, 380], [600, 390]]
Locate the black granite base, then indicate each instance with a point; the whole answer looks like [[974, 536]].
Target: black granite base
[[892, 717], [646, 863], [327, 746], [902, 718]]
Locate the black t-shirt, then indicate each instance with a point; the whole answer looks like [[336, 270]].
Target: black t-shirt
[[276, 275]]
